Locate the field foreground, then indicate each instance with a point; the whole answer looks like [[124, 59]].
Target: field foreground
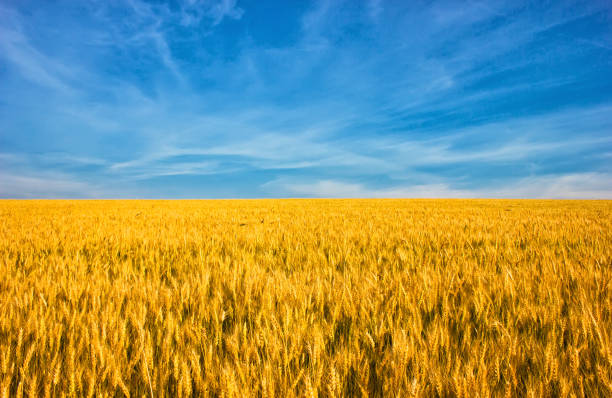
[[275, 298]]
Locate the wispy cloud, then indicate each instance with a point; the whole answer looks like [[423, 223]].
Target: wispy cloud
[[45, 185], [570, 186], [207, 97], [30, 63]]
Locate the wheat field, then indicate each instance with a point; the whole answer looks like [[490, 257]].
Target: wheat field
[[315, 298]]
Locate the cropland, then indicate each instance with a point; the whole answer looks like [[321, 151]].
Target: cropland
[[315, 298]]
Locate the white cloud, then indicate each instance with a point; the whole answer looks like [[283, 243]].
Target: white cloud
[[570, 186], [49, 185], [339, 189], [31, 63], [340, 108], [520, 138], [224, 8]]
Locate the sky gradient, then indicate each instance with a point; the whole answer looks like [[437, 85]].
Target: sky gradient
[[240, 99]]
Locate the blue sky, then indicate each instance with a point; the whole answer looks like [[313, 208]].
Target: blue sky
[[237, 99]]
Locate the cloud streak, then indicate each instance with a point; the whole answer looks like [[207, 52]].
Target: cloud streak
[[207, 99], [570, 186]]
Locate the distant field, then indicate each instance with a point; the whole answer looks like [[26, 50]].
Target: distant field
[[275, 298]]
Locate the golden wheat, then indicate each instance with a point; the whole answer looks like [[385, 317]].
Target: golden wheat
[[324, 298]]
